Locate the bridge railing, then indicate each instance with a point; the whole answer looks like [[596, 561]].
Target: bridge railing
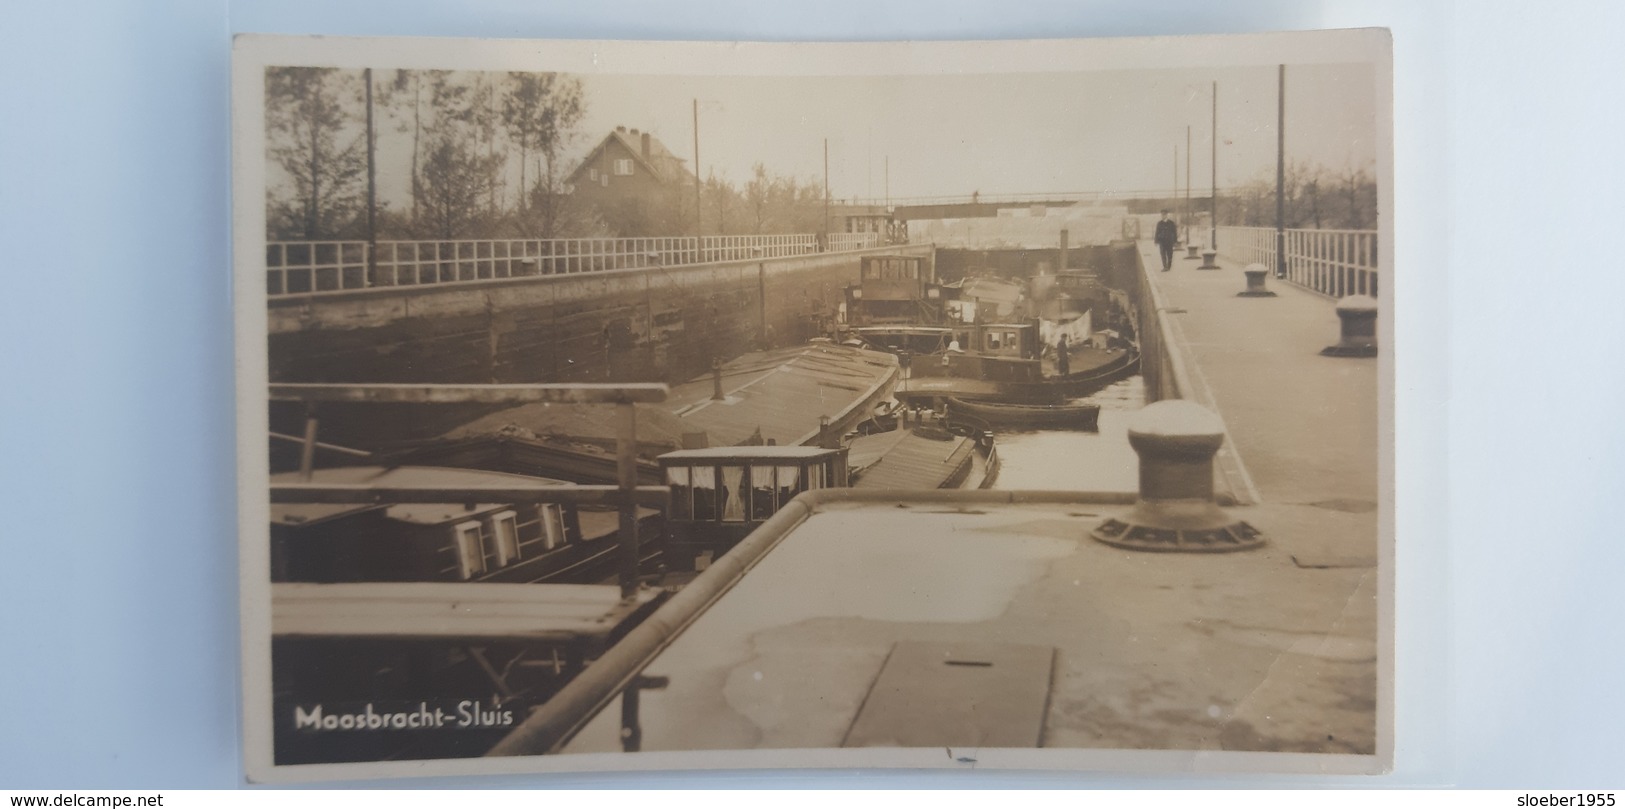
[[853, 241], [1332, 262], [294, 268]]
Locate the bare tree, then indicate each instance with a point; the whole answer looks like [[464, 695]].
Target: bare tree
[[311, 115], [1357, 195], [455, 181], [540, 112], [1314, 198], [758, 194], [725, 199]]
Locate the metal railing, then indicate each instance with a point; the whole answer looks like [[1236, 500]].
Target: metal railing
[[627, 495], [305, 266], [1338, 263], [853, 241], [734, 248], [1027, 198], [294, 268]]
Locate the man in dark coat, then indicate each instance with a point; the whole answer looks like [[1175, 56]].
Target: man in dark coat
[[1167, 234]]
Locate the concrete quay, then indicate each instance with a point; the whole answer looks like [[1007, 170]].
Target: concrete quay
[[1303, 428]]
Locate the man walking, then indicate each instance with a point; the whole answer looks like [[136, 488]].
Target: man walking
[[1167, 234]]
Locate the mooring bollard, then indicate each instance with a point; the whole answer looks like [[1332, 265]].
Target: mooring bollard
[[716, 380], [1255, 282], [1176, 441], [1357, 314], [1190, 250], [1209, 260]]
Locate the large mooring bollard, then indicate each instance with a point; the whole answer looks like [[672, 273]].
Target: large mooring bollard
[[1255, 282], [1191, 250], [1176, 512], [1357, 314], [1210, 260]]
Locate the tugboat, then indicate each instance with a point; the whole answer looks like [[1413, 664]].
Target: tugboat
[[896, 290]]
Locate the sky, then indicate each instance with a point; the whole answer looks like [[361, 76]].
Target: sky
[[955, 134], [952, 135]]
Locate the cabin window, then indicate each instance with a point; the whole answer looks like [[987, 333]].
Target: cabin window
[[762, 503], [733, 495], [703, 480], [682, 496], [552, 519], [505, 532], [470, 549], [623, 168], [815, 477], [789, 483]]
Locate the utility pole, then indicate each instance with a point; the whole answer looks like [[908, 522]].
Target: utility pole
[[1280, 174], [825, 228], [1187, 182], [372, 186], [1213, 224], [699, 234], [1176, 175]]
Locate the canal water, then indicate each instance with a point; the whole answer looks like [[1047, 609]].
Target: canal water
[[1072, 460]]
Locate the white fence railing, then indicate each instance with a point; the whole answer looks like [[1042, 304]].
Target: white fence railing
[[1338, 263], [294, 268], [853, 241]]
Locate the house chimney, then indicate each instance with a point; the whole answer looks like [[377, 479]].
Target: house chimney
[[645, 145], [620, 129]]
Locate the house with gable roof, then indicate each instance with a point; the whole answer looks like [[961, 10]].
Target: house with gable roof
[[635, 182]]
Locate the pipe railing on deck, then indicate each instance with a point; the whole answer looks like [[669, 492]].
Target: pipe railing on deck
[[626, 495], [1338, 263]]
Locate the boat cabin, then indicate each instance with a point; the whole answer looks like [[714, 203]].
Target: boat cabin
[[1068, 294], [893, 289], [1009, 340], [424, 542], [1003, 340], [721, 494], [907, 339]]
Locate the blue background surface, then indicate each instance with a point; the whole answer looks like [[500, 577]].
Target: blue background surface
[[118, 586]]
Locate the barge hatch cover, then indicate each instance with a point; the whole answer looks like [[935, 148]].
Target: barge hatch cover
[[957, 694]]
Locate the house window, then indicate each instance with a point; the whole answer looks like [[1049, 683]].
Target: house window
[[603, 180], [470, 549], [592, 175], [623, 167], [505, 529]]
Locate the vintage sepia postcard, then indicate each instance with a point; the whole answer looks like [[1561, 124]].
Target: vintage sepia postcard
[[624, 405]]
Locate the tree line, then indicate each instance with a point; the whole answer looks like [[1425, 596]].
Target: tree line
[[482, 155], [1315, 197], [465, 134]]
